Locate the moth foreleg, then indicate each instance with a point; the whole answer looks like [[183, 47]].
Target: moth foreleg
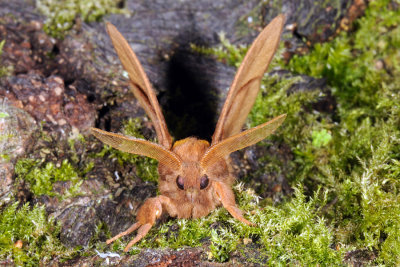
[[227, 197], [146, 217]]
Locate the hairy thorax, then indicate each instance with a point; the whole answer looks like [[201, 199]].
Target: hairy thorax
[[197, 197]]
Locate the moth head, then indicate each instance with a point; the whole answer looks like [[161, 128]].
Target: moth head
[[191, 182], [192, 187]]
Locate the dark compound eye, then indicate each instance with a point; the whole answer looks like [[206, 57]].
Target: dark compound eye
[[203, 181], [179, 182]]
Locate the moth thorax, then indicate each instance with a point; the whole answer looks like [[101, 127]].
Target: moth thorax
[[190, 149]]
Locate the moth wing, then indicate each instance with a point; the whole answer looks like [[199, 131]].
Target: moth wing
[[140, 85], [139, 147], [246, 84], [241, 140]]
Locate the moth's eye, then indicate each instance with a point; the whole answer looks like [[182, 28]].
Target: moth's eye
[[179, 182], [203, 181]]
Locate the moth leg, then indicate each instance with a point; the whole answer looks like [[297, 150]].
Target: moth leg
[[226, 196], [146, 217], [143, 230], [127, 232]]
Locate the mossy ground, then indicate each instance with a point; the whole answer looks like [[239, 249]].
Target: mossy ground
[[62, 15], [345, 172], [28, 236], [359, 166], [3, 69]]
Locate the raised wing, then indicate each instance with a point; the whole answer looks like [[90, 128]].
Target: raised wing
[[139, 147], [140, 85], [245, 86], [241, 140]]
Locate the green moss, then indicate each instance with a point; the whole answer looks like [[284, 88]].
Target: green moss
[[223, 242], [295, 233], [146, 168], [62, 15], [363, 154], [321, 138], [41, 177], [297, 130], [38, 234], [4, 70], [352, 155], [225, 51], [363, 70], [4, 115]]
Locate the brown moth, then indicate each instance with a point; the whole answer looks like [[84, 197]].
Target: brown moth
[[195, 176]]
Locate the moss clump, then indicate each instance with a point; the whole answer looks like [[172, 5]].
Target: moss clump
[[47, 169], [294, 232], [146, 168], [321, 138], [225, 51], [4, 70], [62, 15], [28, 237], [41, 177], [298, 130], [361, 162]]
